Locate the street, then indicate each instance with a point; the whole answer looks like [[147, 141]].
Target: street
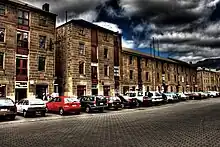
[[191, 123]]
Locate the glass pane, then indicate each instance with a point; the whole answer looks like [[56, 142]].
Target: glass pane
[[17, 63], [25, 36], [6, 102], [20, 14], [26, 22], [24, 64], [26, 15], [19, 36]]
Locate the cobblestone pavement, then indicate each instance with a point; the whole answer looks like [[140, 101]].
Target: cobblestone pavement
[[187, 124]]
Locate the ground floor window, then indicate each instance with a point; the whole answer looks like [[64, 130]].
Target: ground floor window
[[125, 89], [20, 94], [106, 90], [81, 90], [95, 91], [171, 88], [2, 90]]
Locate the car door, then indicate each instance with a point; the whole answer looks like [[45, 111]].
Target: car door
[[19, 106], [50, 104], [57, 103]]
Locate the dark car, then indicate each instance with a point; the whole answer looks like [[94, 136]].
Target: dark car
[[114, 102], [128, 101], [91, 103], [8, 108]]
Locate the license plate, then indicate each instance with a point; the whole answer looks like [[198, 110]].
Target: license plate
[[4, 109], [101, 103]]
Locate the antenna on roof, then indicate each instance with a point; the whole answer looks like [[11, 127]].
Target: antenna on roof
[[66, 16]]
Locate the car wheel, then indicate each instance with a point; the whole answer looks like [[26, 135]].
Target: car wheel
[[12, 117], [122, 106], [61, 112], [25, 113], [43, 114], [138, 104], [88, 109]]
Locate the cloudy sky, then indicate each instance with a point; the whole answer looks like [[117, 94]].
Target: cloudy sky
[[188, 30]]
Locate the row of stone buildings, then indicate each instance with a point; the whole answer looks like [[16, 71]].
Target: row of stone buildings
[[80, 58]]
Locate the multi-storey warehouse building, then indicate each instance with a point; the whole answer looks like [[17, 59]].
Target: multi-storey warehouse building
[[27, 36], [87, 59]]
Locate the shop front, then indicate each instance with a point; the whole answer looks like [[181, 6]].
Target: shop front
[[41, 91]]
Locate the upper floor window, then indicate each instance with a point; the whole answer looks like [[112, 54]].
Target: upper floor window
[[42, 42], [21, 66], [81, 48], [2, 9], [23, 18], [1, 60], [168, 77], [130, 59], [22, 39], [41, 64], [81, 31], [131, 74], [81, 68], [43, 21], [106, 70], [2, 35], [105, 37], [147, 76], [146, 62], [51, 44], [105, 53]]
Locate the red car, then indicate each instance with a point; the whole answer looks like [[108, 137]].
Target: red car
[[64, 104]]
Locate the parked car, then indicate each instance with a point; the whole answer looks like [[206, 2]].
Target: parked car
[[147, 101], [197, 95], [114, 102], [129, 100], [7, 108], [182, 96], [91, 103], [171, 97], [31, 107], [64, 104], [156, 97], [213, 93]]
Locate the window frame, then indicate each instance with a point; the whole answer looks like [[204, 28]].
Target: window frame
[[81, 50], [42, 37], [23, 17], [105, 53], [130, 60], [39, 59], [4, 35], [106, 71], [2, 9], [43, 23], [21, 68], [81, 31], [3, 61], [131, 74], [23, 45], [147, 76], [105, 37], [82, 69]]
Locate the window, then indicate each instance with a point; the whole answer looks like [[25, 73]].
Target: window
[[2, 9], [168, 77], [105, 37], [21, 66], [146, 62], [41, 64], [22, 39], [1, 60], [81, 31], [23, 18], [81, 48], [156, 64], [105, 53], [43, 21], [131, 74], [158, 77], [175, 78], [130, 59], [147, 76], [2, 35], [51, 47], [106, 73], [42, 42], [81, 68]]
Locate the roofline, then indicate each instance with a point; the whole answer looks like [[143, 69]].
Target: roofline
[[74, 21], [30, 7]]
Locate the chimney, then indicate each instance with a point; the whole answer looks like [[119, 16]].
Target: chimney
[[46, 7]]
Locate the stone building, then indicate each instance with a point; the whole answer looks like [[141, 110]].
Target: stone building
[[144, 71], [27, 36], [87, 59], [208, 79]]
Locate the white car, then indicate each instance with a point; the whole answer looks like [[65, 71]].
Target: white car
[[155, 96], [31, 106], [183, 96], [213, 93], [171, 97]]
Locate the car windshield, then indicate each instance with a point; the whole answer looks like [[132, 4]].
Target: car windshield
[[37, 102], [6, 102], [70, 100]]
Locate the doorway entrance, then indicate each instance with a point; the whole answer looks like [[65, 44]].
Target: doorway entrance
[[41, 91], [81, 90], [106, 90], [20, 94], [2, 90]]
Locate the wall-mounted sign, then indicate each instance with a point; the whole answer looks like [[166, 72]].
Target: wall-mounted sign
[[21, 85]]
